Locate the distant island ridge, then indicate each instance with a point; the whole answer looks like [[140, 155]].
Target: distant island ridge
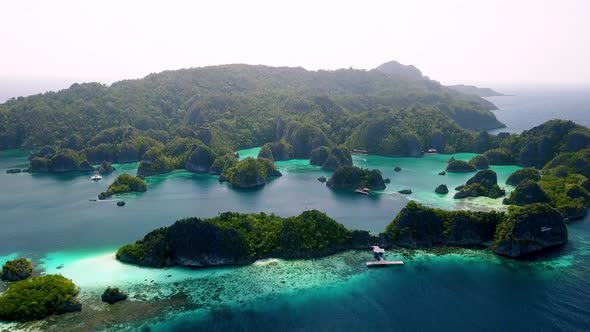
[[473, 90]]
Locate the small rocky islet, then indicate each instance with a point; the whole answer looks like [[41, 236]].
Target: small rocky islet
[[113, 295], [16, 270], [483, 183]]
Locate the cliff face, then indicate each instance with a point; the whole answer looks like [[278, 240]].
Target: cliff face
[[459, 166], [204, 244], [465, 231], [527, 192], [276, 151], [251, 173], [303, 139], [200, 160], [480, 162], [529, 230], [483, 183], [330, 158], [523, 174], [352, 177], [418, 226], [16, 270], [105, 167], [236, 239], [60, 161]]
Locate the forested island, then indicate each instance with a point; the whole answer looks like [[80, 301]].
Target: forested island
[[237, 239], [35, 297], [186, 119], [124, 183]]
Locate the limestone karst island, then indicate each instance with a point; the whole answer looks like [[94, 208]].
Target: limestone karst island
[[309, 166]]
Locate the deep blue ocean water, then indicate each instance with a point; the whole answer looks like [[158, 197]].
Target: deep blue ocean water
[[50, 219], [525, 108]]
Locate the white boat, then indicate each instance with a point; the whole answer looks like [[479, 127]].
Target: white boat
[[96, 177]]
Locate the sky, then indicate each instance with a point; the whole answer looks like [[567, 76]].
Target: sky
[[452, 41]]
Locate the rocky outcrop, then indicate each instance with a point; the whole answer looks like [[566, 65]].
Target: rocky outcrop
[[251, 173], [483, 183], [352, 177], [200, 160], [322, 179], [460, 166], [483, 142], [397, 169], [105, 168], [486, 178], [16, 270], [265, 152], [527, 192], [442, 189], [127, 154], [500, 157], [62, 161], [45, 152], [113, 295], [124, 183], [154, 162], [205, 135], [85, 167], [573, 211], [522, 175], [39, 165], [418, 226], [276, 151], [530, 229], [223, 163], [480, 162], [13, 171], [405, 191], [304, 138], [442, 173], [575, 192], [331, 158]]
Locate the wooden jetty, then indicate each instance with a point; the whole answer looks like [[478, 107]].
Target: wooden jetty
[[381, 262], [384, 263]]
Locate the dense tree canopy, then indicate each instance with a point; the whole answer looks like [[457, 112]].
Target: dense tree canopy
[[37, 298], [235, 238], [124, 183], [240, 106]]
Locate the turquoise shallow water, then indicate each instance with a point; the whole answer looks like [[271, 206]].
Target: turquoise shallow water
[[50, 219]]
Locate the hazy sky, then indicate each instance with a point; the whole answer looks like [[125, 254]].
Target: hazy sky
[[453, 41]]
